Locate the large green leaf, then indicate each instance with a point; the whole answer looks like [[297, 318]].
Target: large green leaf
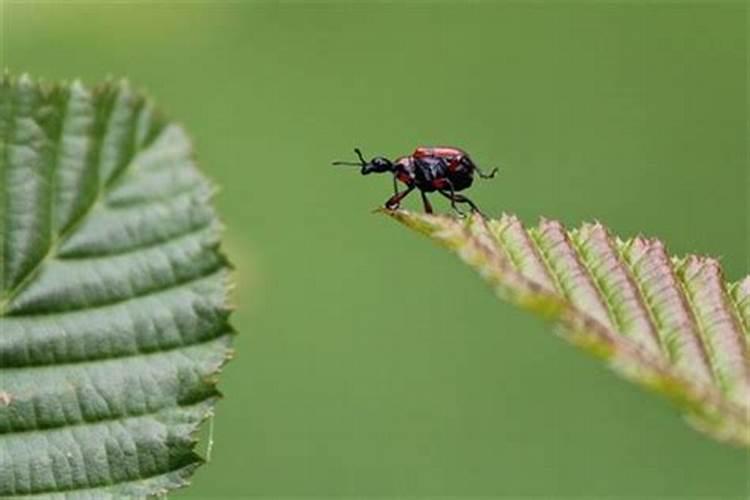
[[113, 294], [672, 324]]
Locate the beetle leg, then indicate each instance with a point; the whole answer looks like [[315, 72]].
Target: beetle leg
[[451, 195], [471, 165], [426, 202], [459, 198], [395, 200], [484, 175], [463, 199], [395, 185]]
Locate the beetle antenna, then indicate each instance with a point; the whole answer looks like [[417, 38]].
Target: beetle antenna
[[361, 163], [359, 153]]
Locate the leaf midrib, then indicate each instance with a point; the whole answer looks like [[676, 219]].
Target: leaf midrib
[[705, 399], [57, 241]]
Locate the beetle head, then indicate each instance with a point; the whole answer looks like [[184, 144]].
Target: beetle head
[[378, 164]]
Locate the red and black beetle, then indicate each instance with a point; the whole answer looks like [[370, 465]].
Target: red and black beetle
[[442, 169]]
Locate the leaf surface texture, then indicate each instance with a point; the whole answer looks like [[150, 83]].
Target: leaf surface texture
[[113, 294], [672, 324]]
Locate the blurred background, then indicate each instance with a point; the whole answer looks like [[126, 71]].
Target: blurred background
[[369, 361]]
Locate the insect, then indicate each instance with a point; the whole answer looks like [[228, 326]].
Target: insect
[[445, 170]]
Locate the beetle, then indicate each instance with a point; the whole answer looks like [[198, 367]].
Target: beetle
[[441, 169]]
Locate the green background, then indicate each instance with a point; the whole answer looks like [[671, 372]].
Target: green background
[[370, 362]]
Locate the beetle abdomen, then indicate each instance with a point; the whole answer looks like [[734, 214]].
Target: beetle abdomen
[[461, 179]]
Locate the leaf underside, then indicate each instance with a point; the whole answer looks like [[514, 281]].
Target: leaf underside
[[672, 324], [113, 294]]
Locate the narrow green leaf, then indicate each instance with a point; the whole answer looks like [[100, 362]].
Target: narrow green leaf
[[113, 294], [674, 325]]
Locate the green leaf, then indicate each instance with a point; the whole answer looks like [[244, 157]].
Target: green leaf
[[113, 294], [672, 324]]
